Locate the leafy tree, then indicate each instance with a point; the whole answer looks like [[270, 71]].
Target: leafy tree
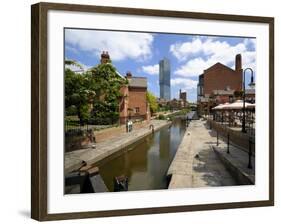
[[78, 94], [161, 117], [106, 83], [100, 87], [152, 100]]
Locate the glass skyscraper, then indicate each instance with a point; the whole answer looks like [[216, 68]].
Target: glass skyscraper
[[164, 79]]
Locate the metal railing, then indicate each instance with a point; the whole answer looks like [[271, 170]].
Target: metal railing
[[238, 140]]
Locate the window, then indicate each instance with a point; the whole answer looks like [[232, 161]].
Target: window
[[137, 109]]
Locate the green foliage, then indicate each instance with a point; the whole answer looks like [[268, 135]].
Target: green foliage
[[164, 108], [161, 117], [71, 110], [83, 113], [78, 94], [99, 87], [107, 84], [152, 100]]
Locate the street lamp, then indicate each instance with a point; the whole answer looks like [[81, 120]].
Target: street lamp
[[251, 84]]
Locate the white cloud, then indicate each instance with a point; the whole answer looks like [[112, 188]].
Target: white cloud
[[77, 68], [120, 45], [210, 52], [207, 46], [184, 83], [192, 68], [151, 69]]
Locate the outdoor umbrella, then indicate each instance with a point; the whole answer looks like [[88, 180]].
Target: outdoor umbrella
[[221, 106], [237, 105]]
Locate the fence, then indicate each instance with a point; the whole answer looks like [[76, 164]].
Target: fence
[[235, 138], [75, 128]]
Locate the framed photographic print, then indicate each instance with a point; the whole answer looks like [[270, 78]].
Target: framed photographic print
[[140, 111]]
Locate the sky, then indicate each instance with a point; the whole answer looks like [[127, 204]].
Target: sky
[[140, 53]]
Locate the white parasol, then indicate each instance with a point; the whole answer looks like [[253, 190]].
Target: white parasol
[[238, 104]]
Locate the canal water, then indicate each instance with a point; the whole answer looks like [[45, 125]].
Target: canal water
[[146, 162]]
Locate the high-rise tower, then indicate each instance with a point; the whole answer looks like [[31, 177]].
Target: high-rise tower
[[164, 79]]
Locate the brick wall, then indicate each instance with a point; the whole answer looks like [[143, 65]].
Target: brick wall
[[123, 106], [137, 99], [219, 77]]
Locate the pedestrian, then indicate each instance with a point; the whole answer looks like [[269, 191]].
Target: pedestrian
[[130, 125], [91, 136], [127, 126]]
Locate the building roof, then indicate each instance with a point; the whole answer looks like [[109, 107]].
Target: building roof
[[121, 76], [138, 82], [218, 65]]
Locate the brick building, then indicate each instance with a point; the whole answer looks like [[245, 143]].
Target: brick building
[[183, 98], [218, 84], [134, 104]]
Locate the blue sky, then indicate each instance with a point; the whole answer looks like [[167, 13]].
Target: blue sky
[[140, 54]]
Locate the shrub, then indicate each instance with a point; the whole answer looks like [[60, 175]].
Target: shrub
[[161, 117]]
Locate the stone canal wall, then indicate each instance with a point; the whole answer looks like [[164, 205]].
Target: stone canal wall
[[180, 170], [102, 150]]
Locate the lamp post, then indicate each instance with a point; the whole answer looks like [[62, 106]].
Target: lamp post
[[251, 84]]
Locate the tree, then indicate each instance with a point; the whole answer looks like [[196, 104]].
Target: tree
[[152, 100], [106, 83], [78, 95], [100, 87]]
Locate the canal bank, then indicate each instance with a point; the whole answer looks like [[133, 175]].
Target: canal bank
[[195, 163], [75, 159]]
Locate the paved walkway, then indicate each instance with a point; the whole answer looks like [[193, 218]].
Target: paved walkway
[[196, 164], [237, 162], [73, 160]]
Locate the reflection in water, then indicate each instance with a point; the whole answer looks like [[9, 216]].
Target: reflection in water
[[147, 162]]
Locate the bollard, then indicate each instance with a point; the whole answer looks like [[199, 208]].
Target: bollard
[[250, 154], [217, 138], [151, 127], [228, 142]]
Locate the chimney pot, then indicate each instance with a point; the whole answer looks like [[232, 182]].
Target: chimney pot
[[129, 74], [104, 57]]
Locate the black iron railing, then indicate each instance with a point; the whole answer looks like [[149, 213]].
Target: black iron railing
[[239, 140]]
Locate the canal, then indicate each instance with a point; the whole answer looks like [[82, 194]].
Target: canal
[[146, 162]]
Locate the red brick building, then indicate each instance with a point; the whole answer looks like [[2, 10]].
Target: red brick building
[[134, 104], [217, 85], [183, 98]]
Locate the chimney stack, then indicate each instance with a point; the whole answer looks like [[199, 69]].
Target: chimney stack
[[129, 74], [105, 58], [238, 62]]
